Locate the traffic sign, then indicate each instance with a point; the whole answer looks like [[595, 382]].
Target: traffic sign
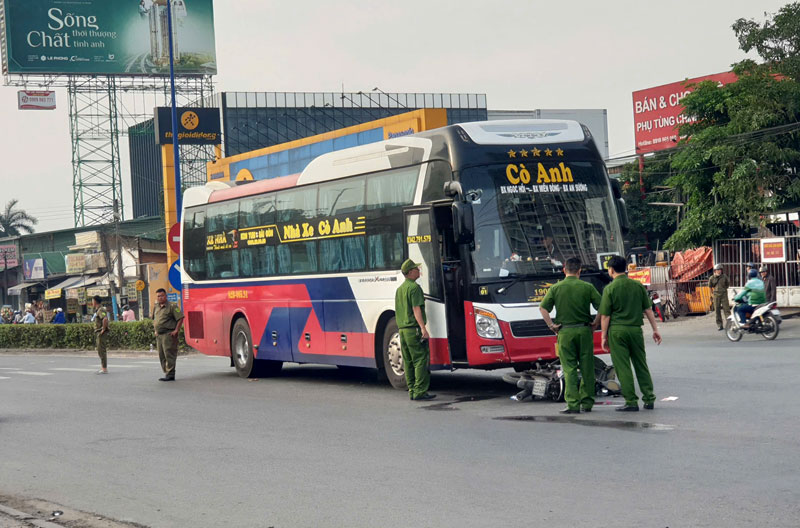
[[140, 285], [174, 238], [175, 274]]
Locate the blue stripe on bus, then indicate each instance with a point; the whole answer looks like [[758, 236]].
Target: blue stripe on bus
[[343, 315]]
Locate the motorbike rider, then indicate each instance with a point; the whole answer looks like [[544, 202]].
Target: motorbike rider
[[770, 289], [751, 296], [719, 284]]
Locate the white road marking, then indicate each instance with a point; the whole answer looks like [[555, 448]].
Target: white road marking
[[9, 368], [65, 369], [148, 362], [26, 373], [4, 377], [123, 366]]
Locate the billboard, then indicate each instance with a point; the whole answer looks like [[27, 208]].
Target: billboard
[[33, 269], [110, 37], [196, 126], [657, 112], [43, 100]]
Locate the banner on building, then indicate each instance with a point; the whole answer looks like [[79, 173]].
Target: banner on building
[[33, 269], [109, 37], [773, 250], [657, 112], [8, 256], [100, 292], [55, 293], [28, 100], [76, 263], [641, 275]]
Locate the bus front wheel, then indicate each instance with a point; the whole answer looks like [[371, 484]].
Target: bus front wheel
[[247, 366], [392, 358]]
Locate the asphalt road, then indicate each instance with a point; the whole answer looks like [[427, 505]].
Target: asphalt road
[[321, 447]]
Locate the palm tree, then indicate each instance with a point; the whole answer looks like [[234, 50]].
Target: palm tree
[[13, 221]]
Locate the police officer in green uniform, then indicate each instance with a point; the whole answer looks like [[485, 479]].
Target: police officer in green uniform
[[719, 284], [167, 321], [101, 333], [409, 308], [571, 298], [621, 309]]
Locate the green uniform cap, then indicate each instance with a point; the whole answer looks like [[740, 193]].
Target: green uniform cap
[[408, 265]]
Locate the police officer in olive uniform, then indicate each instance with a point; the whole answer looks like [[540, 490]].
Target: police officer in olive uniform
[[409, 308], [620, 310], [571, 298], [719, 284], [167, 321], [101, 333]]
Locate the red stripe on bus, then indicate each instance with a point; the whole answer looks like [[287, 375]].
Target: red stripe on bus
[[257, 187]]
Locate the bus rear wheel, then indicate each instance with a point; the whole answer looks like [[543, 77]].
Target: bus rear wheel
[[392, 358], [247, 366]]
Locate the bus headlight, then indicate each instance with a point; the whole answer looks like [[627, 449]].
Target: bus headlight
[[487, 325]]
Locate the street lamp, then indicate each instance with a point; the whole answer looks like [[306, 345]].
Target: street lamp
[[401, 105]]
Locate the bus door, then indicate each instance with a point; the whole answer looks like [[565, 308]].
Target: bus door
[[453, 274], [422, 246]]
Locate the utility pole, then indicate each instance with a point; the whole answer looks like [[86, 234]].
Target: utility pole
[[120, 277], [109, 269], [5, 276]]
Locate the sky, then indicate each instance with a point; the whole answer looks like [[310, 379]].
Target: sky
[[523, 54]]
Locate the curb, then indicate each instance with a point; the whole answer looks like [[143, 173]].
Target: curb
[[27, 518]]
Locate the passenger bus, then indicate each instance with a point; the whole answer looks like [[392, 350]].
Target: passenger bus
[[304, 268]]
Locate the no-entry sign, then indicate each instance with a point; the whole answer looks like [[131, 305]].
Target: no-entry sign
[[174, 238]]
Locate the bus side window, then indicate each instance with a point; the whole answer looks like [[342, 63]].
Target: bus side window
[[296, 207], [387, 193], [223, 220], [336, 199], [194, 243], [437, 173]]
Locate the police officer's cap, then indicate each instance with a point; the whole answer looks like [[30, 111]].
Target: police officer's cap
[[718, 266], [762, 269], [407, 266]]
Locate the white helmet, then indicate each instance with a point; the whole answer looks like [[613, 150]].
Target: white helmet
[[718, 267]]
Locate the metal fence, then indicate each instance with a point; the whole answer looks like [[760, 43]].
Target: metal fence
[[734, 254]]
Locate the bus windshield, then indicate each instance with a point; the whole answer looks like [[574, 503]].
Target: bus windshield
[[531, 217]]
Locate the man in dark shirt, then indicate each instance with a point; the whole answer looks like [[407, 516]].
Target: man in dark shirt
[[167, 322], [621, 308], [719, 284], [770, 288]]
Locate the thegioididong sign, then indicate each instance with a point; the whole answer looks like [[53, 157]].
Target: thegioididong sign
[[122, 37]]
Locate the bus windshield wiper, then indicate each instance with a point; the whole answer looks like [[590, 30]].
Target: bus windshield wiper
[[515, 278]]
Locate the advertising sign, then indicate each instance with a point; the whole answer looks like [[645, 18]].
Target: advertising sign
[[99, 291], [76, 263], [657, 112], [109, 37], [28, 100], [52, 294], [773, 250], [641, 275], [33, 269], [8, 256], [196, 126]]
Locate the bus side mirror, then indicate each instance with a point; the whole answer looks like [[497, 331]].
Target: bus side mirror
[[622, 209], [463, 226]]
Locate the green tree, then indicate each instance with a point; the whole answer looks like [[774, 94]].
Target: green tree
[[742, 158], [14, 221], [650, 224]]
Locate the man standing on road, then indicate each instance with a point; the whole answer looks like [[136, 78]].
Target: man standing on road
[[571, 298], [167, 321], [409, 308], [621, 309], [101, 333], [770, 289], [719, 284]]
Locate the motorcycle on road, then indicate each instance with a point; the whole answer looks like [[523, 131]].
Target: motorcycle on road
[[762, 322]]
